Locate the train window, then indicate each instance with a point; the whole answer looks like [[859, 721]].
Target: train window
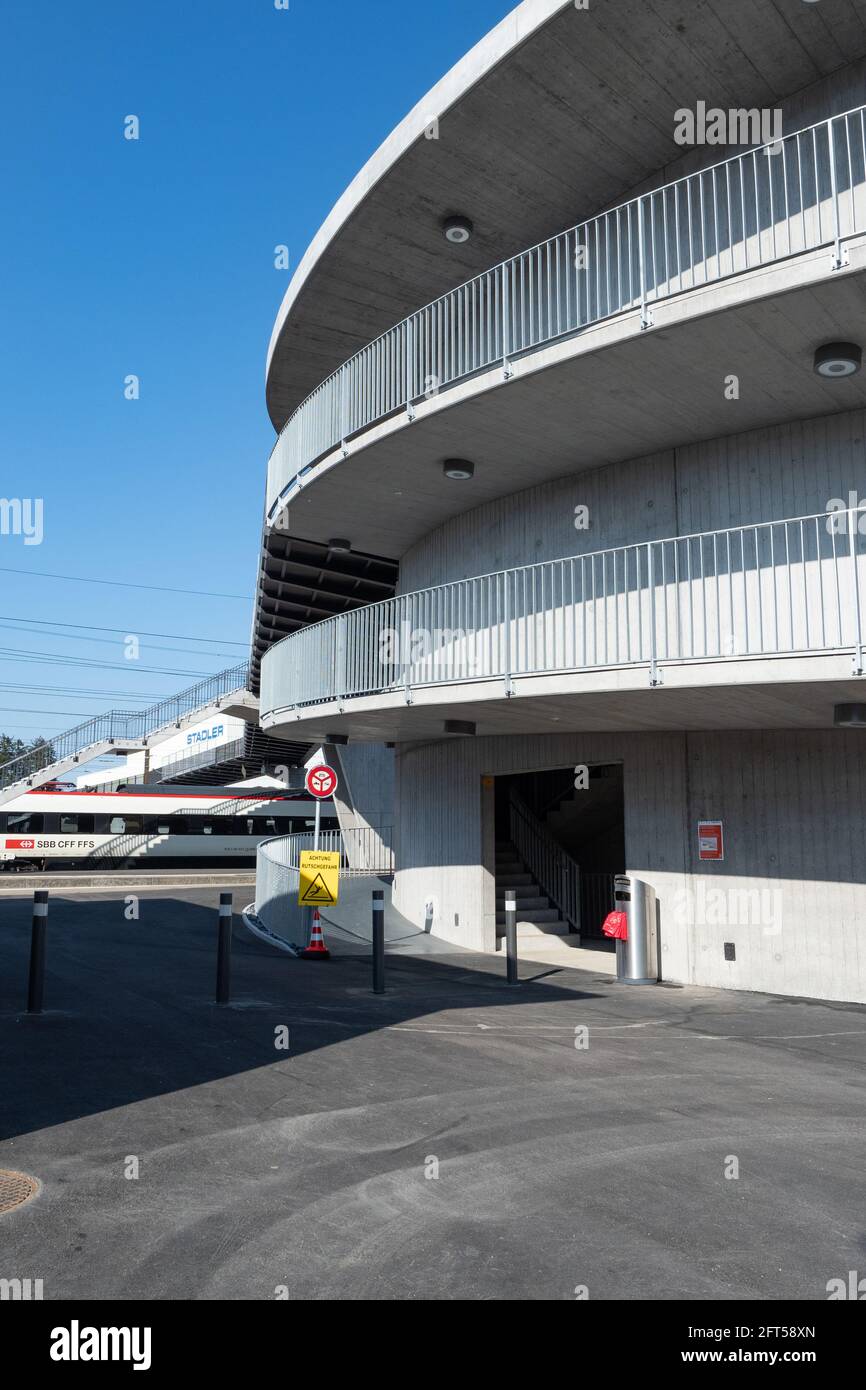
[[124, 825], [157, 825], [76, 825], [207, 830], [24, 823]]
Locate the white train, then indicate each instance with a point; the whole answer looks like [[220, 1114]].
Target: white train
[[60, 827]]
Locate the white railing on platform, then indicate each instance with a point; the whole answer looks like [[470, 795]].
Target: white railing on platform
[[778, 200], [775, 588]]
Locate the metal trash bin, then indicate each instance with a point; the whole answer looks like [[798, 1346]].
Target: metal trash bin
[[637, 958]]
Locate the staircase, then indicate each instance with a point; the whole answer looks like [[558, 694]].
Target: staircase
[[125, 731], [539, 924]]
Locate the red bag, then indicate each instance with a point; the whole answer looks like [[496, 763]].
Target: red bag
[[616, 925]]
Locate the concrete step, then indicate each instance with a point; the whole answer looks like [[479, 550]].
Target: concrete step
[[556, 927], [524, 904], [504, 881], [523, 890], [532, 914]]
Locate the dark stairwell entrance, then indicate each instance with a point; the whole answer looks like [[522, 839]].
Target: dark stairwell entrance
[[540, 813]]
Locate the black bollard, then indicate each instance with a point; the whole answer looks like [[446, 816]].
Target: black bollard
[[36, 983], [224, 950], [511, 936], [378, 941]]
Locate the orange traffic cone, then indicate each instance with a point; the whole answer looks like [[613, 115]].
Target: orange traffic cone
[[317, 950]]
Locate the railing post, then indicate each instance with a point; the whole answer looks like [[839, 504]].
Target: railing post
[[506, 632], [859, 667], [655, 677], [344, 407], [410, 347], [405, 636], [839, 257], [507, 370], [341, 651], [646, 318]]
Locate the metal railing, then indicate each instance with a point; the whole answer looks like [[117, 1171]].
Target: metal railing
[[777, 200], [278, 873], [184, 761], [596, 901], [117, 726], [557, 874], [778, 587]]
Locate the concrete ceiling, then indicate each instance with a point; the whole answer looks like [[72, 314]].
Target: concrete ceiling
[[302, 582], [642, 392], [775, 705], [552, 116]]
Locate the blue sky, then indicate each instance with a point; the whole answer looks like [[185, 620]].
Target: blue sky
[[156, 258]]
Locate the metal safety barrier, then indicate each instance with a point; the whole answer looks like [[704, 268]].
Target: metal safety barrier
[[777, 200], [774, 588], [364, 852]]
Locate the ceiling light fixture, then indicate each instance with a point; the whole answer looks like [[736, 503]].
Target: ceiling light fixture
[[457, 230], [459, 469], [849, 716], [838, 360]]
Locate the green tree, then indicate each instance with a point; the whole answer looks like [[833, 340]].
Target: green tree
[[15, 748]]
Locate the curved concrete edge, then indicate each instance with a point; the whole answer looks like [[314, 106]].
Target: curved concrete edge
[[258, 929], [510, 34], [703, 301]]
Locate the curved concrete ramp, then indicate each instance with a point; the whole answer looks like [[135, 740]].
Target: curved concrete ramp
[[349, 925]]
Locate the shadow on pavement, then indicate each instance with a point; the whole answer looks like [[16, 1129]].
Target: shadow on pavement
[[129, 1011]]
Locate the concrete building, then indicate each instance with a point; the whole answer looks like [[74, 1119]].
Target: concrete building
[[564, 557]]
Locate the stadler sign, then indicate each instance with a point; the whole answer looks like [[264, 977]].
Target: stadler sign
[[321, 782]]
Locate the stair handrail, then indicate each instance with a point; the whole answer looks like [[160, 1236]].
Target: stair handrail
[[116, 725], [555, 870]]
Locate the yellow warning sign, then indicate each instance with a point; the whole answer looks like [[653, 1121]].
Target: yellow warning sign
[[320, 878]]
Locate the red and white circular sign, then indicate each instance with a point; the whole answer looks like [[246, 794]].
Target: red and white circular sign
[[321, 782]]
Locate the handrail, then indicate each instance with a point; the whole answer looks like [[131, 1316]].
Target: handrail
[[360, 841], [118, 725], [774, 201], [772, 588], [555, 870]]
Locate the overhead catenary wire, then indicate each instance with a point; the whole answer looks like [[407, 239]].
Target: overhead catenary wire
[[123, 584], [135, 632], [17, 656], [113, 642]]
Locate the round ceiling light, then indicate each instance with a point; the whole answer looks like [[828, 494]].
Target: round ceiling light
[[340, 545], [457, 230], [849, 716], [838, 360], [459, 469]]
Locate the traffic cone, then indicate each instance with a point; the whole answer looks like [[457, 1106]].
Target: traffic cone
[[317, 950]]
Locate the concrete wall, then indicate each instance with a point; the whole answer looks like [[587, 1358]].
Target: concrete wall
[[365, 796], [760, 475], [830, 96], [792, 899]]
